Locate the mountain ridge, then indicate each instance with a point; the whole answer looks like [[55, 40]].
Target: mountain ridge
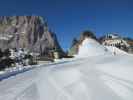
[[29, 32]]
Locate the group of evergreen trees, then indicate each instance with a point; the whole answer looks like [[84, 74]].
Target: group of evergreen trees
[[6, 61]]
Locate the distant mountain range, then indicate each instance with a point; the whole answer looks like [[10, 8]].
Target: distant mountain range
[[28, 32]]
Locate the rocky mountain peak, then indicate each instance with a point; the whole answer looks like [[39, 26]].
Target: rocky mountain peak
[[29, 32], [87, 34]]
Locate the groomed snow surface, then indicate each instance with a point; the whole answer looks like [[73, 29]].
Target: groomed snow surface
[[96, 75]]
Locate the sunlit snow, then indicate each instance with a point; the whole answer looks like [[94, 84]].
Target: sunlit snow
[[94, 74]]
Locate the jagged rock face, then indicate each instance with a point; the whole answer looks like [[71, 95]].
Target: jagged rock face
[[29, 32], [74, 47]]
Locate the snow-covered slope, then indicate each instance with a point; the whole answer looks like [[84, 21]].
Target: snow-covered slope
[[87, 77], [115, 50], [95, 78], [91, 47]]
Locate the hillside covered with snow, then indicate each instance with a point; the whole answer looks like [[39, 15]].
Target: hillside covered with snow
[[94, 74], [91, 47]]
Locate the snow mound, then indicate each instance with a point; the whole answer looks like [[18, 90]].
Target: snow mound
[[115, 50], [91, 47]]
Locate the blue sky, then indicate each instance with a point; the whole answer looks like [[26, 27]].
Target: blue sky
[[68, 18]]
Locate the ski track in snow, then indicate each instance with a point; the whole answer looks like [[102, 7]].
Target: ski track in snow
[[81, 79], [95, 77]]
